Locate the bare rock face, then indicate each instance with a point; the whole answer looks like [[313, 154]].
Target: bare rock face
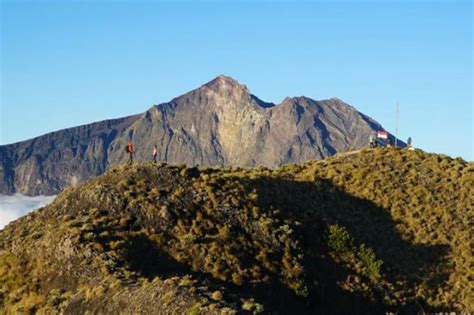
[[49, 163], [220, 123]]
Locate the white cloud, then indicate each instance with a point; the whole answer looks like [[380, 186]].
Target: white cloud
[[15, 206]]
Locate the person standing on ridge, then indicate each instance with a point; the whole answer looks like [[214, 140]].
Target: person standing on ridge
[[372, 143], [130, 152], [155, 153], [409, 145]]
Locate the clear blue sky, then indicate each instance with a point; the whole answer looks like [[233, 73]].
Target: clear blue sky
[[65, 63]]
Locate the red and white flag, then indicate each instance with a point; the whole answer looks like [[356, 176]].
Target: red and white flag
[[382, 134]]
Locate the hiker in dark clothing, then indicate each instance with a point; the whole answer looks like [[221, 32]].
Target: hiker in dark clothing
[[409, 144], [130, 152], [155, 153]]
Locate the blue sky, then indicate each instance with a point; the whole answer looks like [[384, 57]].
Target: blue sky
[[65, 63]]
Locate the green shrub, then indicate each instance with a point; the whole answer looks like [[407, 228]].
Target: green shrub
[[339, 239], [369, 260]]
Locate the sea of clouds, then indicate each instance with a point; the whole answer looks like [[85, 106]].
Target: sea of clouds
[[15, 206]]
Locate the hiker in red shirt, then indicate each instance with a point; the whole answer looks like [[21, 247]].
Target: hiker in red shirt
[[155, 153], [130, 152]]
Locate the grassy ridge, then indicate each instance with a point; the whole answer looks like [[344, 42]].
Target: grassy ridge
[[374, 231]]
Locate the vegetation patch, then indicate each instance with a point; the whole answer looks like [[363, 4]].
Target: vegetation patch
[[384, 230]]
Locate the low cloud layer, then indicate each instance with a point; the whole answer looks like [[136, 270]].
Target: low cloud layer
[[13, 207]]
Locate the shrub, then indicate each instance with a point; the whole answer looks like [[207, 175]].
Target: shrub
[[369, 260], [216, 295], [339, 239], [167, 297], [248, 304], [195, 309], [57, 297]]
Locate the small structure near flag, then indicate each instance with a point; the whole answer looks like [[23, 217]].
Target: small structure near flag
[[382, 134]]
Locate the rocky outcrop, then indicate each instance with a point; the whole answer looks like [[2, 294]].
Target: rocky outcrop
[[220, 123]]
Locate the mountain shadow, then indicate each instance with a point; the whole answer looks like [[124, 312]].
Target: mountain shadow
[[319, 204]]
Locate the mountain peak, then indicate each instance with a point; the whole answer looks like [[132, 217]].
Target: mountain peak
[[218, 123], [225, 83], [226, 79]]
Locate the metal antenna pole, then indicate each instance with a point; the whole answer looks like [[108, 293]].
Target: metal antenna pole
[[396, 125]]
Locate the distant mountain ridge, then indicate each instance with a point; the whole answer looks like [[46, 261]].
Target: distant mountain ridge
[[220, 123]]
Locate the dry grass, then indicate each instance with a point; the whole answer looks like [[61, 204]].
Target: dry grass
[[383, 229]]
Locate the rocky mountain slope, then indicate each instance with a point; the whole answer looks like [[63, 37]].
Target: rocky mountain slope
[[220, 123], [360, 233]]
